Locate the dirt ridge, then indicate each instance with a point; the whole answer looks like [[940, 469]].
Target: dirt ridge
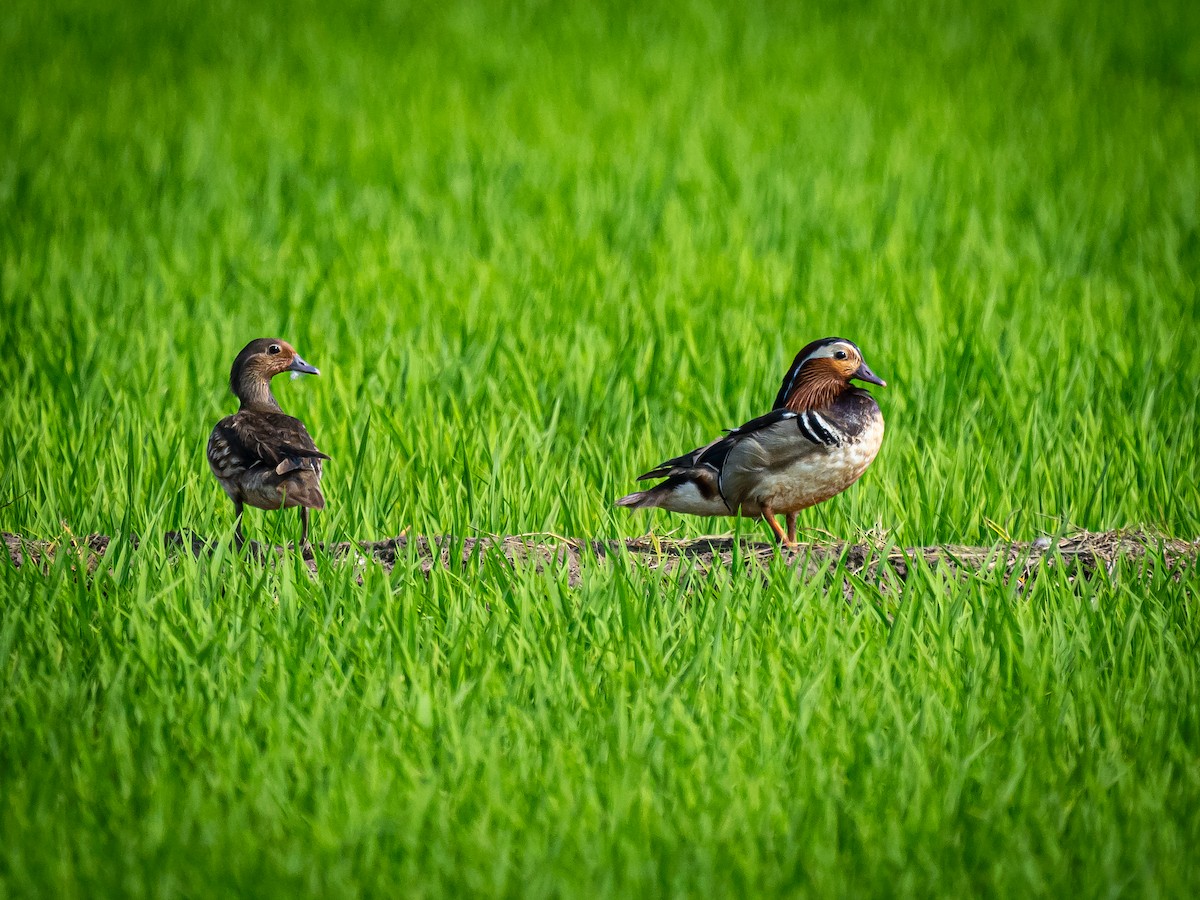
[[873, 559]]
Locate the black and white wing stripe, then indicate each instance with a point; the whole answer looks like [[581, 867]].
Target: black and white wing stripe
[[814, 427]]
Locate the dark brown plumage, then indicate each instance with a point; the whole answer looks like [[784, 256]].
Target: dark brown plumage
[[261, 456]]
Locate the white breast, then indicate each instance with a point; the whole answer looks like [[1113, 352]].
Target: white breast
[[809, 477]]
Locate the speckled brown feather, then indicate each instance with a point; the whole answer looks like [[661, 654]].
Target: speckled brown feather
[[267, 460], [261, 456]]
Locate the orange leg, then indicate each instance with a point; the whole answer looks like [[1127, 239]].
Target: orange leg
[[791, 526], [769, 515]]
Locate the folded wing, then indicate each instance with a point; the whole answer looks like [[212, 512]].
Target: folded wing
[[697, 482], [713, 455], [276, 442]]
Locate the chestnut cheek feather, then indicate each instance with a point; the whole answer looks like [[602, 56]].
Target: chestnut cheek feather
[[831, 369], [818, 384]]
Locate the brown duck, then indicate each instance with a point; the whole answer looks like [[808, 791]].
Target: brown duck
[[260, 455], [818, 439]]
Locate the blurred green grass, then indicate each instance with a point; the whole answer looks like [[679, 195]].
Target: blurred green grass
[[536, 248], [540, 249]]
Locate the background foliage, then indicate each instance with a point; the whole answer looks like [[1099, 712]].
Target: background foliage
[[535, 248]]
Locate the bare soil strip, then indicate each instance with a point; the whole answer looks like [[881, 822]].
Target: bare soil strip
[[1083, 553]]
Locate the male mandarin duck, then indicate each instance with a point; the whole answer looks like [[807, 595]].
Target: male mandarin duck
[[817, 440], [260, 455]]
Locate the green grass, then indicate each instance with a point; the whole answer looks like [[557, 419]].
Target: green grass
[[535, 249]]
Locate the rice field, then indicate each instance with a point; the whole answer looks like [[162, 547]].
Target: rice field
[[535, 249]]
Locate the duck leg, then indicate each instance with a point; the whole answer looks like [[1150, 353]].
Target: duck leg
[[305, 546], [791, 527], [769, 515], [238, 539]]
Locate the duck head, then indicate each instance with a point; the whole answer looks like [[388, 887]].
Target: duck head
[[822, 371], [259, 362]]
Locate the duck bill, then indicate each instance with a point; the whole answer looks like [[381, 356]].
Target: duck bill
[[300, 367], [864, 373]]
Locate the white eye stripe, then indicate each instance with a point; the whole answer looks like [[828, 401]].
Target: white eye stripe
[[794, 373], [787, 385], [831, 352]]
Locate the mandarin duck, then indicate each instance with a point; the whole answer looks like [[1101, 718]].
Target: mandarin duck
[[817, 440], [260, 455]]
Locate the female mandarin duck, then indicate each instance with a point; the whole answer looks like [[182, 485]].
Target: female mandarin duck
[[260, 455], [819, 437]]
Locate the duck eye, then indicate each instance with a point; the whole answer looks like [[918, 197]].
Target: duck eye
[[841, 354], [273, 349]]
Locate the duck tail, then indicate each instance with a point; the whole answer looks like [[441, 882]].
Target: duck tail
[[639, 499], [692, 491]]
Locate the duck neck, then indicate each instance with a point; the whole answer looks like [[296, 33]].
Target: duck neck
[[255, 394], [815, 393]]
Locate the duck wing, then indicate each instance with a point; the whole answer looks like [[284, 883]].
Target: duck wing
[[715, 453], [270, 440]]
